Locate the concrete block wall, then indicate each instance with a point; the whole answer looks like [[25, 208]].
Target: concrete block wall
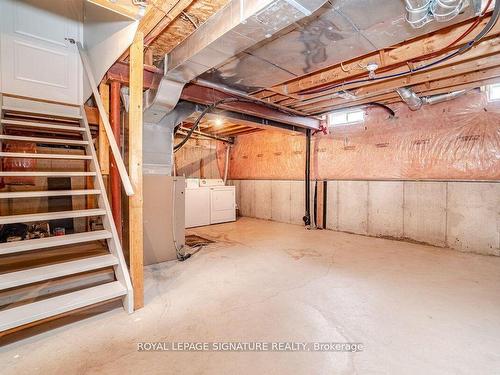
[[460, 215]]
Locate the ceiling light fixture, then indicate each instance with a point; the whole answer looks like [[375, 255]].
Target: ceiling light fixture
[[371, 67]]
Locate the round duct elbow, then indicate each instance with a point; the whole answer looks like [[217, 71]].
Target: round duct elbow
[[418, 14], [445, 10], [413, 101]]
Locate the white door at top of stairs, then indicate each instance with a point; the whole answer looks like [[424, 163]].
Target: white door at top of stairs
[[35, 58]]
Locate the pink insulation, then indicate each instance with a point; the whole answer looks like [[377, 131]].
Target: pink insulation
[[459, 139]]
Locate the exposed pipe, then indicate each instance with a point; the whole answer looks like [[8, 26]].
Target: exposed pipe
[[226, 165], [487, 28], [215, 86], [183, 131], [445, 10], [388, 109], [415, 102], [409, 97], [421, 12], [443, 97], [418, 12], [114, 174], [307, 216]]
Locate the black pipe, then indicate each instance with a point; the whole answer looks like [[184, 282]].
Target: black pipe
[[307, 216], [392, 114], [315, 204], [388, 109], [325, 202]]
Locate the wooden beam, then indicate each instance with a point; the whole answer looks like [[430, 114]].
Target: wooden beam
[[464, 74], [92, 115], [437, 74], [395, 57], [120, 72], [432, 88], [115, 185], [135, 170], [103, 138], [157, 18], [158, 21]]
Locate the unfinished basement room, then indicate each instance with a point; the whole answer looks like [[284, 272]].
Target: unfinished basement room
[[249, 187]]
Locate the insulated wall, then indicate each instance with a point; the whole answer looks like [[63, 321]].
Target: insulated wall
[[430, 176], [198, 159], [456, 140]]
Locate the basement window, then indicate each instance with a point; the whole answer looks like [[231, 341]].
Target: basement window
[[346, 118], [493, 92]]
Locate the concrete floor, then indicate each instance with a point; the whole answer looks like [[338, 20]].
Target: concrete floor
[[417, 310]]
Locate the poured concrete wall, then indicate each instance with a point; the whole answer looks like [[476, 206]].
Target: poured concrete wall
[[460, 215]]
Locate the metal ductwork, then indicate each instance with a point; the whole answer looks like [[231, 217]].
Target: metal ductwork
[[418, 12], [445, 10], [435, 99], [409, 97], [421, 12], [415, 102], [337, 32], [238, 26]]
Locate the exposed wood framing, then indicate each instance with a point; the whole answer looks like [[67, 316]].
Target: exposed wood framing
[[135, 170], [92, 115], [115, 186], [103, 138], [159, 16], [471, 69], [397, 56], [484, 56], [174, 32]]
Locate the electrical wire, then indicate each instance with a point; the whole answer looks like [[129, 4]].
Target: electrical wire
[[207, 110], [471, 28], [493, 20], [392, 114]]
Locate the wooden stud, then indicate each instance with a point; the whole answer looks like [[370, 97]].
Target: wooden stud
[[397, 56], [115, 186], [103, 138], [135, 169]]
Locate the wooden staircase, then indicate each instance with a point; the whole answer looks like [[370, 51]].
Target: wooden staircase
[[17, 124]]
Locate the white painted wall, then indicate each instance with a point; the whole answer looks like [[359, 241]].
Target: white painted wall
[[460, 215], [107, 35]]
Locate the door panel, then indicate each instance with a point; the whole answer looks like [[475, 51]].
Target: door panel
[[197, 207], [35, 59], [223, 207]]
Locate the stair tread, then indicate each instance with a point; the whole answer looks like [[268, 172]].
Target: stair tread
[[35, 311], [46, 174], [43, 125], [37, 274], [43, 243], [47, 193], [42, 140], [10, 219], [41, 113], [44, 156]]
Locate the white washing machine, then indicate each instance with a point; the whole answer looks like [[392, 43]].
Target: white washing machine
[[209, 202]]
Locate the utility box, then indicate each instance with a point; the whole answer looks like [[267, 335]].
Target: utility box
[[164, 217]]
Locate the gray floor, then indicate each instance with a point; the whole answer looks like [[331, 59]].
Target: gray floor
[[416, 309]]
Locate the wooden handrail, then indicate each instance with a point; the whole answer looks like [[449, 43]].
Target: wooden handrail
[[127, 185]]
